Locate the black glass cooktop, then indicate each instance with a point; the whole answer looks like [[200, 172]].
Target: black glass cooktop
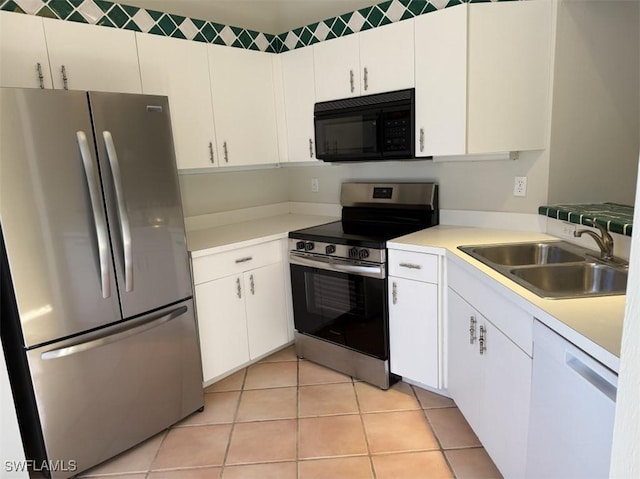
[[369, 236]]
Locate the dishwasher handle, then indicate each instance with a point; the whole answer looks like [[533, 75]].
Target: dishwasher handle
[[591, 376]]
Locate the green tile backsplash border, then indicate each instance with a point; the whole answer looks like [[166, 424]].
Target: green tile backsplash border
[[109, 14], [615, 217]]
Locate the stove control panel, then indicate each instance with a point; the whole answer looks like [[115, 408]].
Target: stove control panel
[[358, 253]]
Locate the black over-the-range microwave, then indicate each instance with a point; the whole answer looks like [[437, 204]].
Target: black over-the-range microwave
[[366, 128]]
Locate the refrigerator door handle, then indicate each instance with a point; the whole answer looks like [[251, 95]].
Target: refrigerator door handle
[[99, 219], [110, 336], [122, 210]]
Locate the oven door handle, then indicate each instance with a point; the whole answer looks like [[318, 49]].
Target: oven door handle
[[340, 266]]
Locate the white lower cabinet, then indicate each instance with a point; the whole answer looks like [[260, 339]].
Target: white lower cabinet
[[241, 316], [414, 325], [489, 375]]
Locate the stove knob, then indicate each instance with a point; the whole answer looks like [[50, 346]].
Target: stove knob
[[363, 253], [353, 252], [330, 249], [308, 246], [300, 245]]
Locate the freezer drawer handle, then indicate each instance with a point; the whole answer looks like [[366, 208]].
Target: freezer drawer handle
[[122, 211], [99, 219], [111, 337]]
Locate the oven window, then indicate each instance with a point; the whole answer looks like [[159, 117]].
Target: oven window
[[344, 309]]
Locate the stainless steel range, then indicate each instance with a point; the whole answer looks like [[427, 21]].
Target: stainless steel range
[[339, 276]]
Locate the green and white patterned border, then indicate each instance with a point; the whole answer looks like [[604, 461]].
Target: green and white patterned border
[[109, 14], [615, 217]]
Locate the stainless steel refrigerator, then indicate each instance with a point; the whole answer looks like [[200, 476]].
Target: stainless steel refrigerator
[[97, 318]]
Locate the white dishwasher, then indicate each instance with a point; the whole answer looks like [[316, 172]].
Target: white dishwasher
[[573, 400]]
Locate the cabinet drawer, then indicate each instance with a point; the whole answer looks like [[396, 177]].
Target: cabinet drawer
[[218, 265], [410, 265]]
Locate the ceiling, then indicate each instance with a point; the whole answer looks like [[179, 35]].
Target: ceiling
[[266, 16]]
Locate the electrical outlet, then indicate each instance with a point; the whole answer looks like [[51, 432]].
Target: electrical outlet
[[315, 185], [520, 186], [567, 229]]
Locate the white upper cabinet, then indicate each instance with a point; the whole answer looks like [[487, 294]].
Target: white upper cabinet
[[89, 57], [441, 82], [386, 58], [483, 74], [509, 76], [299, 98], [372, 61], [337, 68], [179, 69], [242, 87], [24, 61]]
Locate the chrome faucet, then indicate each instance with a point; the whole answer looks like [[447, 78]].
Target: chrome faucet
[[605, 241]]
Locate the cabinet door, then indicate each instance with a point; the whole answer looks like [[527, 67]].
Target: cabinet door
[[413, 330], [94, 58], [464, 381], [243, 105], [222, 325], [505, 401], [266, 314], [179, 69], [441, 82], [386, 58], [509, 75], [299, 98], [23, 52], [337, 68]]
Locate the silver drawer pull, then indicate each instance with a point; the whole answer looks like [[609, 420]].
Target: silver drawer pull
[[244, 260], [410, 266]]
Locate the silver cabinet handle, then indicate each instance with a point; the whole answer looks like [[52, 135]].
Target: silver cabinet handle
[[310, 148], [226, 152], [394, 293], [125, 228], [351, 81], [40, 76], [366, 79], [211, 159], [410, 266], [244, 260], [65, 80], [238, 288], [252, 286], [115, 334], [98, 213], [483, 339], [473, 322], [591, 376], [421, 139]]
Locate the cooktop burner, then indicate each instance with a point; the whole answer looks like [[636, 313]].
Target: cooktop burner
[[341, 233]]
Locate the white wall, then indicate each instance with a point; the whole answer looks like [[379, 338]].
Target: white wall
[[481, 185], [625, 459], [595, 115]]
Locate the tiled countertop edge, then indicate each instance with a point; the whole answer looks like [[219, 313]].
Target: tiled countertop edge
[[615, 217]]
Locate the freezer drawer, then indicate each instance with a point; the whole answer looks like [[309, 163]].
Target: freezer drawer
[[103, 392]]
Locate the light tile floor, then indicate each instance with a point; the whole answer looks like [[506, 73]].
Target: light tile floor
[[285, 418]]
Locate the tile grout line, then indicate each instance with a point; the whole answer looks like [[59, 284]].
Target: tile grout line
[[233, 423], [297, 416], [364, 430]]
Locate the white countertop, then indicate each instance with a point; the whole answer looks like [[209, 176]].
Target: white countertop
[[223, 238], [593, 324]]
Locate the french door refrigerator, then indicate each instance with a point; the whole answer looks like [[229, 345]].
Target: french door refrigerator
[[97, 319]]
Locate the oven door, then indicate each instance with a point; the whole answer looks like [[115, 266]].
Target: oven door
[[342, 302]]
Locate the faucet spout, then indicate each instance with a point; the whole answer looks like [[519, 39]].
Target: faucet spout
[[604, 241]]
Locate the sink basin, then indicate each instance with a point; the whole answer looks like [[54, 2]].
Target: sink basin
[[517, 254], [553, 269], [572, 280]]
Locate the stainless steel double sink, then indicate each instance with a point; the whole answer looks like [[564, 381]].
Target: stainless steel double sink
[[554, 269]]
